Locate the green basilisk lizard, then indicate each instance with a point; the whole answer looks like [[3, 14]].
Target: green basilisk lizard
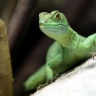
[[67, 51]]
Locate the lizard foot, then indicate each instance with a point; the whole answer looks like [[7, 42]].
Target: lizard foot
[[52, 80], [56, 76], [48, 82], [93, 54], [41, 86]]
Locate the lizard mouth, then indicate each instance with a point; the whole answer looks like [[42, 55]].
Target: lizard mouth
[[52, 24]]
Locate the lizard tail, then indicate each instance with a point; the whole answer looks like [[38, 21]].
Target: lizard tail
[[36, 79]]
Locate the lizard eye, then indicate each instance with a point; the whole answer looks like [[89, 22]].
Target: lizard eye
[[58, 16]]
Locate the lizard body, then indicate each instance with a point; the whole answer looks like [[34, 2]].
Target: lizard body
[[68, 50]]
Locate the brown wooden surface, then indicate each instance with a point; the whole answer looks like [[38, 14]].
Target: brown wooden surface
[[6, 80]]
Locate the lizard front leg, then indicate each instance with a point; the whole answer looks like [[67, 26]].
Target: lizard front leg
[[90, 41], [49, 71], [53, 64]]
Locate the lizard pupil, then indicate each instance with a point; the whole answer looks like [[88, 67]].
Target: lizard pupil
[[58, 16]]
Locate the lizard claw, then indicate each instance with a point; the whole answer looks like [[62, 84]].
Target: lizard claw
[[48, 82], [56, 76], [41, 86], [52, 80], [93, 54]]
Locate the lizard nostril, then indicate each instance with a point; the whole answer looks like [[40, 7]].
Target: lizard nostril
[[40, 24]]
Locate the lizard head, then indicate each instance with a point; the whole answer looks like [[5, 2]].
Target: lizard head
[[53, 24]]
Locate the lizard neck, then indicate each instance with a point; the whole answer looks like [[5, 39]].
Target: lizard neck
[[69, 39]]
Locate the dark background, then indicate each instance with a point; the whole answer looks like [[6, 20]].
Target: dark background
[[28, 45]]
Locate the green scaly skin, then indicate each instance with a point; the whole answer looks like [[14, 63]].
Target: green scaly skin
[[67, 51]]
